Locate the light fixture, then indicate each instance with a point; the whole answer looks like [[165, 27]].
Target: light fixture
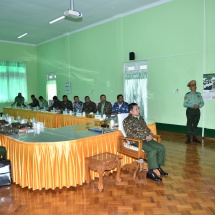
[[22, 35], [55, 20], [70, 14]]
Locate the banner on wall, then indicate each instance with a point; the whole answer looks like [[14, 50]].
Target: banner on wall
[[209, 86], [67, 88]]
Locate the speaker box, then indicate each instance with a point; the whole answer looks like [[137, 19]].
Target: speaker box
[[131, 56]]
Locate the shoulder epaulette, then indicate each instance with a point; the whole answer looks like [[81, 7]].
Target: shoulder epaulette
[[187, 93]]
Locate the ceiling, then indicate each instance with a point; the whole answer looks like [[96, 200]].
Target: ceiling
[[33, 16]]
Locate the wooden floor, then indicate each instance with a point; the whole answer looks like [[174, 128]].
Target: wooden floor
[[189, 189]]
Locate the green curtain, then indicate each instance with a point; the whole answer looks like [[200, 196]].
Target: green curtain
[[12, 80]]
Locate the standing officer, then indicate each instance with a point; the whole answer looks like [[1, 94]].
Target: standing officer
[[19, 100], [192, 101]]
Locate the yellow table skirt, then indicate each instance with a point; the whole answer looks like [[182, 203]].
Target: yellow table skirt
[[50, 120], [56, 164], [59, 164]]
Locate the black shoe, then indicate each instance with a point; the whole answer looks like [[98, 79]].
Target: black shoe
[[188, 141], [153, 177], [195, 139], [162, 172]]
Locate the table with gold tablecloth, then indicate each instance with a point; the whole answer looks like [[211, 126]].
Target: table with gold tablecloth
[[60, 164], [59, 159], [50, 120]]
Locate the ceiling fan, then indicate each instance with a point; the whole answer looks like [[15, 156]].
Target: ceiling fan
[[70, 13]]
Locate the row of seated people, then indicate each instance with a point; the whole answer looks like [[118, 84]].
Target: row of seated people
[[103, 107], [134, 126]]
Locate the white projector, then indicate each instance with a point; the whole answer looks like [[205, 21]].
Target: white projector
[[73, 14]]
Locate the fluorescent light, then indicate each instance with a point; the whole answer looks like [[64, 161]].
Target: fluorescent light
[[55, 20], [22, 35]]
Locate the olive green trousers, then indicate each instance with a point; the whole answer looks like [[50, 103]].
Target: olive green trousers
[[193, 116], [156, 154]]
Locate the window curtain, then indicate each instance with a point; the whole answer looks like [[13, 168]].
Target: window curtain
[[51, 89], [12, 80], [135, 89]]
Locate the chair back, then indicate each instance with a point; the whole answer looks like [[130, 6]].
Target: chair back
[[121, 117], [3, 152]]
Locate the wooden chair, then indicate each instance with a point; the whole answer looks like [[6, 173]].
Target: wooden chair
[[125, 147]]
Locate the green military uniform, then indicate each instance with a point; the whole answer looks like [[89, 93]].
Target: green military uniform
[[19, 101], [105, 108], [135, 127], [89, 107], [193, 115], [10, 129], [66, 105], [35, 103], [56, 104]]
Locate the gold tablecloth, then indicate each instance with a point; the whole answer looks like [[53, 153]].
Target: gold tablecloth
[[60, 164], [57, 164], [50, 120]]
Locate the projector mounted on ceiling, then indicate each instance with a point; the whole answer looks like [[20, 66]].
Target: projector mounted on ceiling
[[72, 14]]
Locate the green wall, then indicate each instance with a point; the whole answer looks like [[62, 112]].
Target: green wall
[[89, 60], [170, 37], [26, 54]]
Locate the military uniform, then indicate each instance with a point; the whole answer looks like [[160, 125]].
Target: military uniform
[[8, 130], [193, 114], [66, 105], [19, 101], [35, 103], [12, 128], [56, 104], [135, 127], [89, 107], [107, 109]]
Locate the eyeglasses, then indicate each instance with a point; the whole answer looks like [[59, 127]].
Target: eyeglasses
[[193, 85]]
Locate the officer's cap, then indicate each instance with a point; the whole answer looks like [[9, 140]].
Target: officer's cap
[[191, 83]]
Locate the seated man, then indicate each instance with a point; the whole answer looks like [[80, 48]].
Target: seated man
[[77, 105], [10, 129], [43, 103], [135, 127], [35, 102], [56, 104], [89, 106], [104, 107], [66, 104], [19, 100], [120, 106]]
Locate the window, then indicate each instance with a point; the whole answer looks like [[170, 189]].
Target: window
[[12, 80], [51, 86], [135, 85]]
